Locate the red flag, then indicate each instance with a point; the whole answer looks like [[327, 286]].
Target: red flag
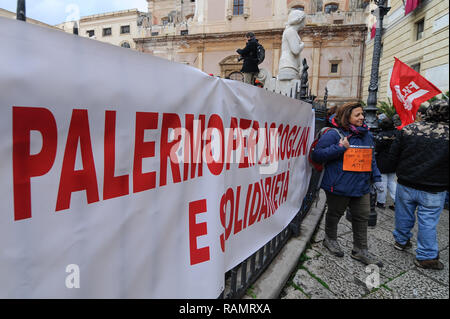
[[409, 90], [373, 31], [411, 5]]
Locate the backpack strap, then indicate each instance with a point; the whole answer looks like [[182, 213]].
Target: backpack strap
[[322, 132], [339, 132], [326, 129]]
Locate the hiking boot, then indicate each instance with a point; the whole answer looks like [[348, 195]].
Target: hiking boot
[[392, 207], [380, 205], [429, 264], [401, 247], [365, 257], [333, 247]]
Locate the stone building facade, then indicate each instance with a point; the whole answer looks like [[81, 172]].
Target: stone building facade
[[420, 39], [117, 28], [205, 34]]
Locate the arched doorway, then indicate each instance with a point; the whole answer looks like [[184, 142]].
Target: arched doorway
[[230, 68]]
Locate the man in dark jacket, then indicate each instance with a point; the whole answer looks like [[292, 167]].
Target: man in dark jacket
[[250, 68], [420, 156]]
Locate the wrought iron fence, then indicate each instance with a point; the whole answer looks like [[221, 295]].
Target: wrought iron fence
[[239, 279]]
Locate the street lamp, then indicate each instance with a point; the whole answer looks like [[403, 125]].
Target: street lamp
[[371, 108], [20, 13], [75, 28]]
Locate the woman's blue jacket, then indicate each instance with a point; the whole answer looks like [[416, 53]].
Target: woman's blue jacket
[[335, 179]]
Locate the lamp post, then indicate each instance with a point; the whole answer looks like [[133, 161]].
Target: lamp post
[[75, 28], [20, 13], [371, 108]]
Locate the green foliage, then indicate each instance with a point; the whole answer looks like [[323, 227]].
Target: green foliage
[[386, 108], [443, 96], [251, 292]]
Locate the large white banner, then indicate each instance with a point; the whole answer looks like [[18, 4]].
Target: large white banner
[[123, 175]]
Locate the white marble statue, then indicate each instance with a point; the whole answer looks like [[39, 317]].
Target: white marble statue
[[290, 64], [291, 48]]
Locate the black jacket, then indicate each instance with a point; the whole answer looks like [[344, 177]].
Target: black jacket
[[383, 142], [249, 55], [420, 156]]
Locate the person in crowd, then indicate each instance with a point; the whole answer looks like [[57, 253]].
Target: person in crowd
[[258, 83], [330, 115], [421, 112], [397, 121], [250, 67], [347, 188], [383, 143], [420, 157]]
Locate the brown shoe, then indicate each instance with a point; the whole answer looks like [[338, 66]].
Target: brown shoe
[[429, 264]]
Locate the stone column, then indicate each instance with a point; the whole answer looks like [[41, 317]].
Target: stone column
[[200, 53], [199, 15], [357, 51], [317, 47], [276, 57]]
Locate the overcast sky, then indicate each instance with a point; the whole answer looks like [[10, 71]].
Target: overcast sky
[[57, 11]]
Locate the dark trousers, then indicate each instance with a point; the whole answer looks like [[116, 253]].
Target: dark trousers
[[360, 209]]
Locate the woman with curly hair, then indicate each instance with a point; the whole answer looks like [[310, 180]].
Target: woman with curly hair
[[346, 186]]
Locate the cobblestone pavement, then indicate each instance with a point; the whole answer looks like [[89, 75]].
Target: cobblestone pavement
[[321, 275]]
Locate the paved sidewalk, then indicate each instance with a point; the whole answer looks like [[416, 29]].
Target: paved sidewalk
[[320, 275]]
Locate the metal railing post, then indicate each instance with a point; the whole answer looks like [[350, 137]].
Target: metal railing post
[[21, 11]]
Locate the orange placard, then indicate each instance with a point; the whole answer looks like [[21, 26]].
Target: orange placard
[[358, 159]]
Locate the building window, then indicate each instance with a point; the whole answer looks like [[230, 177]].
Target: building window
[[416, 67], [331, 7], [334, 68], [124, 29], [107, 32], [419, 29], [301, 8], [319, 6], [90, 33], [165, 20], [238, 7]]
